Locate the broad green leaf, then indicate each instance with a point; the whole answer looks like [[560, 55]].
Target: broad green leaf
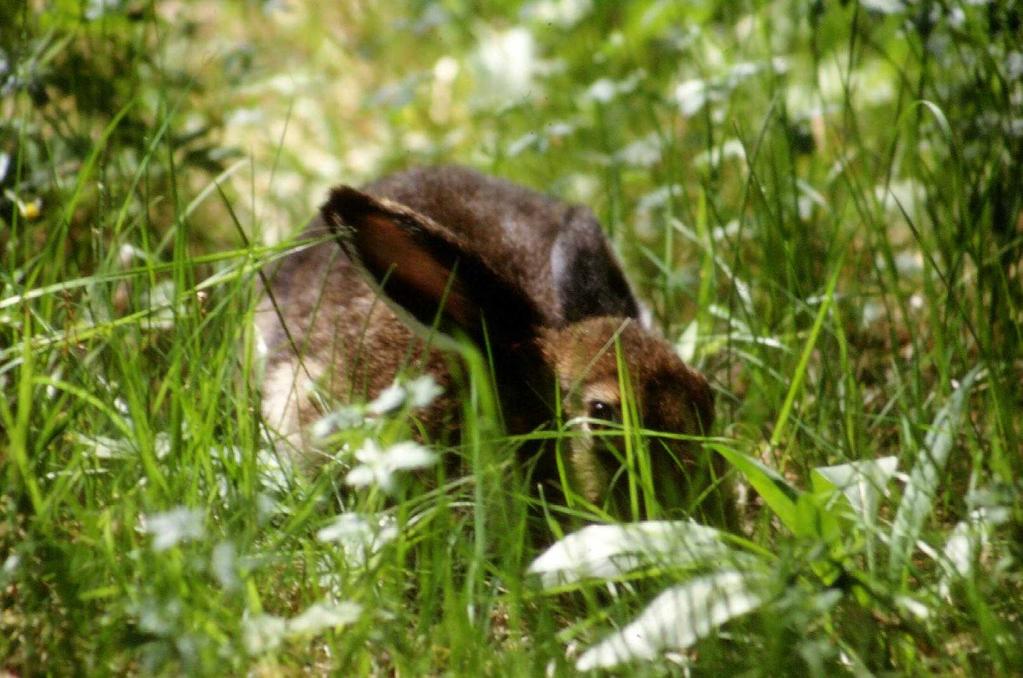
[[775, 490], [816, 517], [676, 619], [608, 551], [961, 549], [861, 482]]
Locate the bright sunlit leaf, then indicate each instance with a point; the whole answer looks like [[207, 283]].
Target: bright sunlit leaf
[[676, 619], [925, 477], [861, 482], [608, 551]]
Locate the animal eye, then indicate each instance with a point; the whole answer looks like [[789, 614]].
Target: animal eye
[[598, 409]]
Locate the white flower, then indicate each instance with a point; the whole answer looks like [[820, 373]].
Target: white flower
[[563, 13], [507, 62], [105, 447], [605, 90], [158, 617], [898, 195], [732, 148], [422, 391], [95, 9], [276, 473], [323, 616], [377, 467], [410, 455], [389, 400], [446, 69], [526, 142], [267, 507], [691, 96], [658, 197], [173, 527], [162, 445], [884, 6], [743, 70], [602, 91], [372, 469], [341, 419], [223, 564], [642, 152], [361, 537], [263, 632], [914, 607], [128, 253], [348, 527], [558, 129]]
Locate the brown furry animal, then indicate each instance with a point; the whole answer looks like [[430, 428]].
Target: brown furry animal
[[529, 279]]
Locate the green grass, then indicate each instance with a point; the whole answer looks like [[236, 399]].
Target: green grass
[[820, 202]]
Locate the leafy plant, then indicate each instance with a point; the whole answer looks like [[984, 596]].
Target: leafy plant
[[837, 524]]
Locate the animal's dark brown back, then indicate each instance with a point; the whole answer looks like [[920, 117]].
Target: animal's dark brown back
[[531, 240]]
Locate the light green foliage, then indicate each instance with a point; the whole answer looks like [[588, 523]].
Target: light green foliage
[[820, 202]]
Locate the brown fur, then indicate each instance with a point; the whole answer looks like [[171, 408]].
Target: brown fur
[[531, 276]]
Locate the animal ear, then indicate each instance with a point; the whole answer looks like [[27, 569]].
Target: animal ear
[[588, 281], [426, 269]]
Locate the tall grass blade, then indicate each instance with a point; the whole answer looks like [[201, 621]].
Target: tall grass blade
[[804, 358]]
